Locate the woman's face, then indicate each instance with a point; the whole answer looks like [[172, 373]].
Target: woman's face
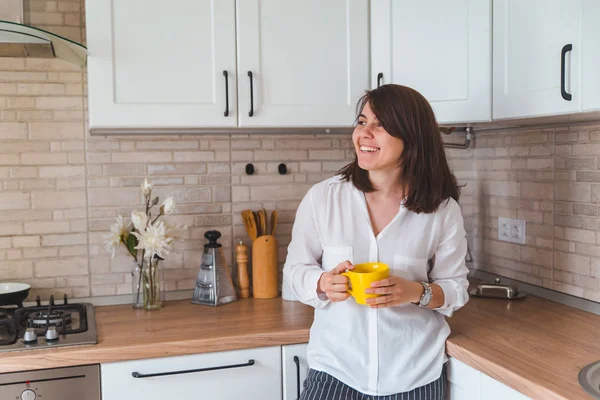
[[376, 149]]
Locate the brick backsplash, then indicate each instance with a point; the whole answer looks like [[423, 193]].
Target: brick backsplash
[[61, 188]]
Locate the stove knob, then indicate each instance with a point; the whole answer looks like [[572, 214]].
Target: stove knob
[[28, 394], [30, 336], [51, 334]]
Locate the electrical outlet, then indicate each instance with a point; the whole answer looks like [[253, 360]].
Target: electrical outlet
[[511, 230]]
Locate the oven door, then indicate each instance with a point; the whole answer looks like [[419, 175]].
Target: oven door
[[76, 383]]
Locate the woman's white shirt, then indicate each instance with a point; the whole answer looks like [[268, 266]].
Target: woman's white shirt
[[376, 351]]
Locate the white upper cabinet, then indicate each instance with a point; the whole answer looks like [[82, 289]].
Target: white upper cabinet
[[161, 64], [591, 56], [171, 66], [308, 61], [440, 48], [537, 57]]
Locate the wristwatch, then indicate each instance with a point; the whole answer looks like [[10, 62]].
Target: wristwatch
[[426, 296]]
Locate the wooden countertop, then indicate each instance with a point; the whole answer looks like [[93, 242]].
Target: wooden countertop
[[179, 328], [533, 345]]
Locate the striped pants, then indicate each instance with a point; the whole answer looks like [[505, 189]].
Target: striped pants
[[322, 386]]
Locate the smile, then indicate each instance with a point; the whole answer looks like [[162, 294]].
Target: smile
[[369, 149]]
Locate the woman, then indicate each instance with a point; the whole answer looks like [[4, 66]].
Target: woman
[[396, 203]]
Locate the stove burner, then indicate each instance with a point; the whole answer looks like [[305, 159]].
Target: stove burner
[[50, 325], [56, 317]]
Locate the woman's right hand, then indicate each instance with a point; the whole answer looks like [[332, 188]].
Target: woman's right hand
[[334, 285]]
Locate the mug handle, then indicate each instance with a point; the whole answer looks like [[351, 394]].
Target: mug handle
[[349, 281]]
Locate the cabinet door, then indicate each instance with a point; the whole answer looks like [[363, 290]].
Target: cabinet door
[[440, 48], [295, 370], [591, 56], [529, 52], [491, 389], [243, 374], [160, 64], [463, 381], [309, 61]]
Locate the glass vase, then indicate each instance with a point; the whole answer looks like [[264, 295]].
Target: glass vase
[[137, 300], [153, 285]]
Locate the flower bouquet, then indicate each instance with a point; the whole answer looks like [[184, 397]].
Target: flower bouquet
[[148, 240]]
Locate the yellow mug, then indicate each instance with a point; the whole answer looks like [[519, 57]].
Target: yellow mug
[[361, 277]]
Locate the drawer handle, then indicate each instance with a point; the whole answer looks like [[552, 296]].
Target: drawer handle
[[189, 371], [563, 54], [297, 361]]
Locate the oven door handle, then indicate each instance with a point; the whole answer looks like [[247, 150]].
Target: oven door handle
[[189, 371]]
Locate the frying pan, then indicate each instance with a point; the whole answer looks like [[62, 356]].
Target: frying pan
[[13, 293]]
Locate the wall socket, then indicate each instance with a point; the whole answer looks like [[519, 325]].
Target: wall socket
[[511, 230]]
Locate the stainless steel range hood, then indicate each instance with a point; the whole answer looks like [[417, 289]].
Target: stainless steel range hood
[[18, 40]]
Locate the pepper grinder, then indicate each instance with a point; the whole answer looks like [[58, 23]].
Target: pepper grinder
[[241, 256]]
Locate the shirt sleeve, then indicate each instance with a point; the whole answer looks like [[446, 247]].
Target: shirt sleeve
[[449, 270], [302, 269]]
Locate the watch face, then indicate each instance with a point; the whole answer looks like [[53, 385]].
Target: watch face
[[427, 298]]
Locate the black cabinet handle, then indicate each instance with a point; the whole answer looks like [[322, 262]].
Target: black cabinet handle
[[297, 361], [379, 78], [226, 94], [251, 113], [189, 371], [563, 54]]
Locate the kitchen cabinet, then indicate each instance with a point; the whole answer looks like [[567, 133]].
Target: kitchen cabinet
[[440, 48], [467, 383], [463, 381], [308, 59], [537, 58], [295, 370], [491, 389], [179, 66], [590, 88], [161, 65], [241, 374]]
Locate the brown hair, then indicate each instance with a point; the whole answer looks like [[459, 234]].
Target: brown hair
[[405, 114]]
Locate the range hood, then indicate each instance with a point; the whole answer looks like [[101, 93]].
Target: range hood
[[18, 40]]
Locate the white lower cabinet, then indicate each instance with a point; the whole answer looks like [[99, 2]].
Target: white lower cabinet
[[491, 389], [241, 374], [467, 383], [295, 370], [463, 381]]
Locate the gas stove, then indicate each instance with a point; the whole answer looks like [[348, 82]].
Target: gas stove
[[47, 326]]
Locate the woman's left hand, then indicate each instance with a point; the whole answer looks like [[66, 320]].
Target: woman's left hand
[[394, 291]]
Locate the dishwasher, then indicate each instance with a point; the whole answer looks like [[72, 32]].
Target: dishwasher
[[69, 383]]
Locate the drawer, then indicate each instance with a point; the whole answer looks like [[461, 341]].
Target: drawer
[[247, 374]]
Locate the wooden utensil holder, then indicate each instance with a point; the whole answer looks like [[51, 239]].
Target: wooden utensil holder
[[265, 271]]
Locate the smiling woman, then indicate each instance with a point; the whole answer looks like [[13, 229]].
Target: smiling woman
[[395, 204], [396, 131]]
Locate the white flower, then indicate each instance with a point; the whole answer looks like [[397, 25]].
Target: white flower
[[146, 187], [115, 236], [168, 206], [140, 220], [153, 241]]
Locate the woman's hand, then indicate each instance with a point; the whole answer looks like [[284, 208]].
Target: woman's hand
[[394, 291], [334, 285]]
